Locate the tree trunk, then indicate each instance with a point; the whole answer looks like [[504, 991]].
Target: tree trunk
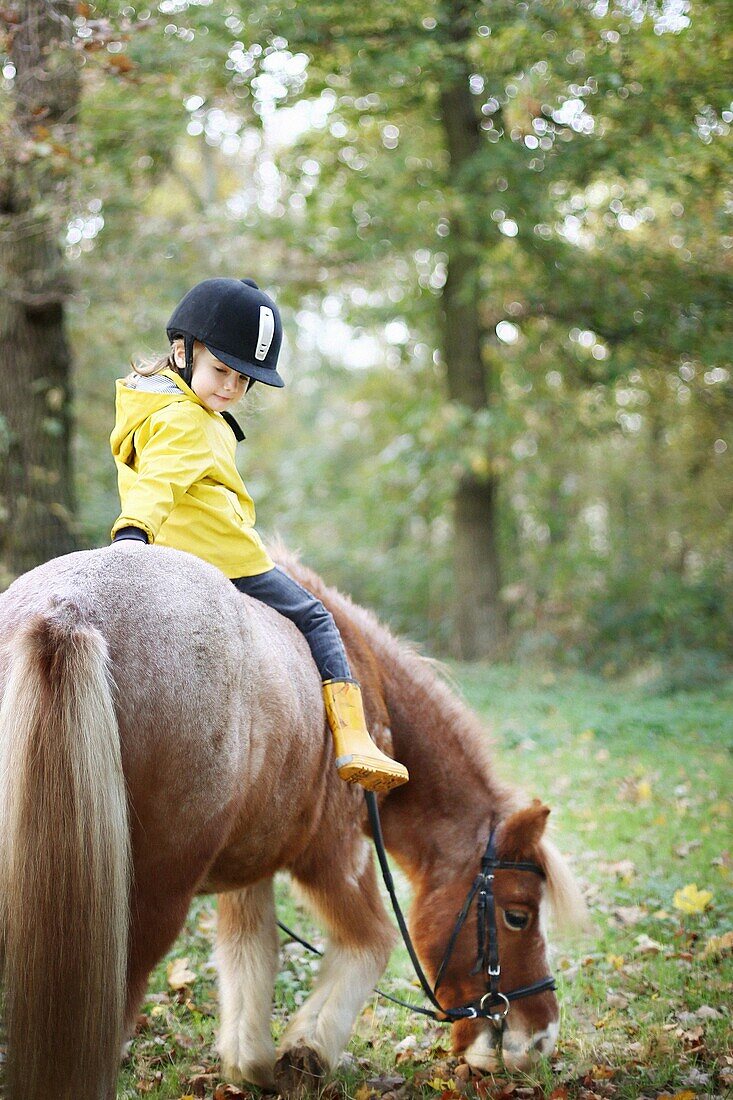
[[480, 615], [36, 476]]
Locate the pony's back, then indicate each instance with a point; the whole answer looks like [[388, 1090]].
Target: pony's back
[[128, 742]]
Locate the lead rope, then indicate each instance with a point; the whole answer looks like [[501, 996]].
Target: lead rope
[[376, 824]]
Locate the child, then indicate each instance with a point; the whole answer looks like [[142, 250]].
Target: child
[[174, 443]]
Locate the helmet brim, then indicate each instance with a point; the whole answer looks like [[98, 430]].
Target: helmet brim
[[268, 375]]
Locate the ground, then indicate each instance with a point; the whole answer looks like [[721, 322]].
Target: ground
[[639, 784]]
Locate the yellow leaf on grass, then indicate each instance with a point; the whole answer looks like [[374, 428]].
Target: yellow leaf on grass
[[616, 961], [691, 900], [643, 791], [179, 974], [440, 1084]]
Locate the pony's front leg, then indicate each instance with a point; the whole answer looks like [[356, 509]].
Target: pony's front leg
[[247, 957], [360, 940]]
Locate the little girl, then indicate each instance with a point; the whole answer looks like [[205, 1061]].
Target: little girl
[[173, 445]]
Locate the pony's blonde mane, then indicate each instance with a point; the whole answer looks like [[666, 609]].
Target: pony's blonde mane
[[567, 903]]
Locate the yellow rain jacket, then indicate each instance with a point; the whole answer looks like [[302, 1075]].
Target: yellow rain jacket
[[178, 481]]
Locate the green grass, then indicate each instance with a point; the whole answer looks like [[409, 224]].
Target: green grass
[[639, 785]]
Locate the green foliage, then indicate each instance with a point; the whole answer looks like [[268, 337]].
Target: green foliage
[[286, 142]]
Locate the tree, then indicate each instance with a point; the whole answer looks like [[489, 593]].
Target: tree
[[37, 495], [480, 137]]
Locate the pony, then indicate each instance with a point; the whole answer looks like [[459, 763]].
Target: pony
[[162, 735]]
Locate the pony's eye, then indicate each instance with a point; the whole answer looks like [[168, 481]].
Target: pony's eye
[[515, 919]]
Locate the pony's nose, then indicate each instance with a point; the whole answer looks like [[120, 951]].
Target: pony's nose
[[520, 1055]]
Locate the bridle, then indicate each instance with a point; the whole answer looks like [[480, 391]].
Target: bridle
[[488, 940]]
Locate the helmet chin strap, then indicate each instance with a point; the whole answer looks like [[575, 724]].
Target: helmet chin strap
[[187, 372]]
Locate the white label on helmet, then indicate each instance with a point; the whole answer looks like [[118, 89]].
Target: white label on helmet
[[266, 333]]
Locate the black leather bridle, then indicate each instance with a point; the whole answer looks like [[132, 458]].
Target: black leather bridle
[[493, 1004]]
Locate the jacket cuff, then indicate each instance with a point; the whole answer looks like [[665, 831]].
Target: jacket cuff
[[123, 523], [135, 534]]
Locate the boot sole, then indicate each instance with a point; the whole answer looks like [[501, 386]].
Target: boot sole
[[355, 769]]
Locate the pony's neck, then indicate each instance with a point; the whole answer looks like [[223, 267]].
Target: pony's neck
[[442, 817]]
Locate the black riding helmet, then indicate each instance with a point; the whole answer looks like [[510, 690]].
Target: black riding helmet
[[237, 322]]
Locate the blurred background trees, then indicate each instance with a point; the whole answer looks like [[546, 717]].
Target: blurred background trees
[[498, 235], [38, 147]]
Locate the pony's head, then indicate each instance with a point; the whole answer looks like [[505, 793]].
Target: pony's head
[[529, 1029]]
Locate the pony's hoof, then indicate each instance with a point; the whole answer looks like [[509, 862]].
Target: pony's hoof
[[250, 1074], [299, 1070]]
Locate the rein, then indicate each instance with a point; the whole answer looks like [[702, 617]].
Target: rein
[[488, 942]]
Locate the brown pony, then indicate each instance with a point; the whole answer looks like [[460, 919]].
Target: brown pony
[[163, 735]]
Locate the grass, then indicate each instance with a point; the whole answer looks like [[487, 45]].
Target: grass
[[639, 784]]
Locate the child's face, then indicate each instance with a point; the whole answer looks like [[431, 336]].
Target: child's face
[[215, 384]]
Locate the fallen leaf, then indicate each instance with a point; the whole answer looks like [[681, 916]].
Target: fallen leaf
[[625, 869], [643, 791], [207, 922], [704, 1012], [602, 1073], [179, 974], [440, 1084], [691, 900], [230, 1092], [718, 945], [630, 914], [384, 1083], [645, 945], [201, 1083], [683, 850]]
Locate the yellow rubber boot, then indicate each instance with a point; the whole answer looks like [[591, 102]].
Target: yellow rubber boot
[[357, 757]]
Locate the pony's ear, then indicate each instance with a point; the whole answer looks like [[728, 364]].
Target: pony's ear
[[522, 831]]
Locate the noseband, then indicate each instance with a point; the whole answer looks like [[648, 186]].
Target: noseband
[[493, 1004]]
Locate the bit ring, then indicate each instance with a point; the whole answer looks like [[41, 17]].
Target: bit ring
[[493, 997]]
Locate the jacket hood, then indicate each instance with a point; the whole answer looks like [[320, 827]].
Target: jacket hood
[[133, 407]]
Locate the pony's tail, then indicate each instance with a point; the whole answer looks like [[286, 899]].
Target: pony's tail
[[64, 864]]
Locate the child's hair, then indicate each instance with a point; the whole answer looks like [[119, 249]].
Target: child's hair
[[146, 367]]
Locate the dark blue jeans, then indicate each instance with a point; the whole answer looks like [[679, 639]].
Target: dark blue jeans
[[283, 594]]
